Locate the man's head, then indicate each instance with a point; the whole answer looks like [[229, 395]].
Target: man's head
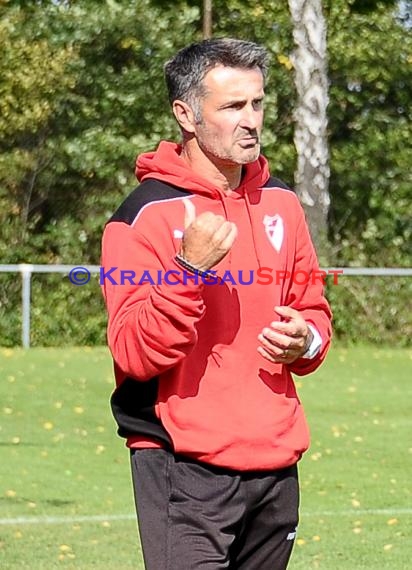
[[216, 92], [185, 72]]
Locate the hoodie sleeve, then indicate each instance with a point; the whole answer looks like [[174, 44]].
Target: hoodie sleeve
[[151, 325], [306, 294]]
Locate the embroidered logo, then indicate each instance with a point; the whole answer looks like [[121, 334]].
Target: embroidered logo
[[274, 230]]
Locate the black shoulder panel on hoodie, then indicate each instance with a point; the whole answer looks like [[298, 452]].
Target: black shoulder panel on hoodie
[[150, 190], [275, 182]]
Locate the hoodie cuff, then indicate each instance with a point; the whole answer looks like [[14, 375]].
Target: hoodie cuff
[[315, 345]]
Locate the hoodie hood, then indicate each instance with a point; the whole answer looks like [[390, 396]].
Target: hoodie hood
[[165, 164]]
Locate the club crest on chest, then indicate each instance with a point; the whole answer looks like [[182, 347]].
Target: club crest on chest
[[274, 229]]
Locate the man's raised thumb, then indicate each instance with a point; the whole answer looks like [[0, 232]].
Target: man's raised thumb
[[190, 211]]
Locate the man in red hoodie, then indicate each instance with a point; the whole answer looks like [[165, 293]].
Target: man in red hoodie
[[214, 300]]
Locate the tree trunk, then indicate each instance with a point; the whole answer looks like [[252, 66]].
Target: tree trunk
[[207, 19], [309, 59]]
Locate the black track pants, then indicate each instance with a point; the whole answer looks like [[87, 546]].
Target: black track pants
[[196, 517]]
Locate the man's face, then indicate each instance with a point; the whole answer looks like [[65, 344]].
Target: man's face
[[231, 115]]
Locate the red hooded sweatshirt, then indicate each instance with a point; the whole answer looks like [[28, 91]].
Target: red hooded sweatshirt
[[188, 374]]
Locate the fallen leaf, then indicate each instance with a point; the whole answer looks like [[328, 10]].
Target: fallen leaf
[[65, 548]]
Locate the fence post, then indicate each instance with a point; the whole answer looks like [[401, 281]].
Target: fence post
[[26, 270]]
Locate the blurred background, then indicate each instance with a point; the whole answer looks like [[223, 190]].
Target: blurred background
[[82, 93]]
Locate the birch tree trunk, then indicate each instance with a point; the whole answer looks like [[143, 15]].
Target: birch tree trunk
[[207, 19], [309, 59]]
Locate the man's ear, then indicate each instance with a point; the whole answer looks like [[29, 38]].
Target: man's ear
[[184, 115]]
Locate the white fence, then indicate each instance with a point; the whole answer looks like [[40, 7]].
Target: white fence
[[26, 270]]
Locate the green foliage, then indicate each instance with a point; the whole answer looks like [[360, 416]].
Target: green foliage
[[77, 312], [372, 309], [62, 314], [371, 182], [369, 5], [82, 93], [79, 159]]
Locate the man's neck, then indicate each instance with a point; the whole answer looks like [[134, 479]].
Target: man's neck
[[224, 176]]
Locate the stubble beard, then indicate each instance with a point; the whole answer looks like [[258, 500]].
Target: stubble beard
[[235, 155], [250, 155]]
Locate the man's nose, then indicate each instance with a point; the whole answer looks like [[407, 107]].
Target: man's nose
[[251, 118]]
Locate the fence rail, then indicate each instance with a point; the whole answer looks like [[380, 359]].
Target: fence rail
[[26, 271]]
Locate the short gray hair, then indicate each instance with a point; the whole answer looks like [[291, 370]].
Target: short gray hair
[[184, 73]]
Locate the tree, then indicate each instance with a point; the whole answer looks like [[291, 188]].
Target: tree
[[370, 219], [207, 19], [309, 59], [34, 78], [88, 94]]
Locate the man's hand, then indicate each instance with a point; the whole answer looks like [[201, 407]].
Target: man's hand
[[285, 341], [207, 238]]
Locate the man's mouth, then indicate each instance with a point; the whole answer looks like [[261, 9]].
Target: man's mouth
[[249, 140]]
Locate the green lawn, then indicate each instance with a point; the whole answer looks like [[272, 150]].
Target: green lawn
[[62, 464]]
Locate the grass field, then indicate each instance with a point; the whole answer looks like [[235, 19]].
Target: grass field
[[65, 491]]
